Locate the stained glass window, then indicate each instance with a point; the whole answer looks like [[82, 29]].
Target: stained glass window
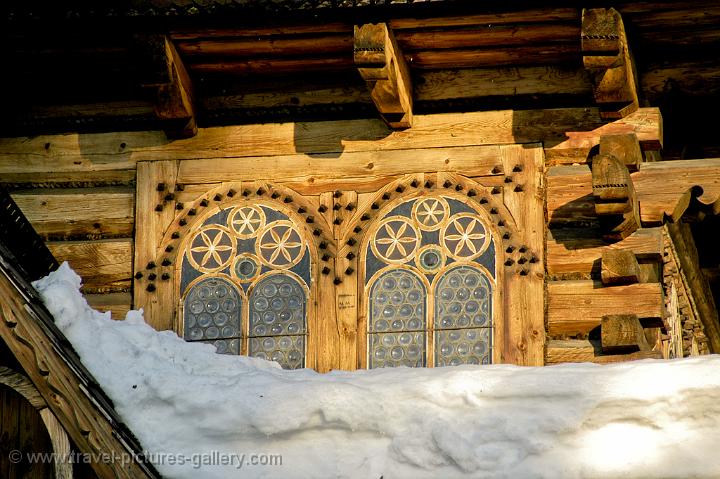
[[277, 321], [444, 243], [397, 320], [212, 312]]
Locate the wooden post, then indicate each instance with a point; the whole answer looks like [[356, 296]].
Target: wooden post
[[383, 67], [622, 333], [606, 57]]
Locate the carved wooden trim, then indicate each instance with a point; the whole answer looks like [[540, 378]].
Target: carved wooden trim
[[383, 67], [607, 57], [616, 203]]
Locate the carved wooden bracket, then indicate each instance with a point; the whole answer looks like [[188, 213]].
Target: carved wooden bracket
[[619, 266], [167, 75], [616, 203], [624, 147], [606, 56], [383, 67]]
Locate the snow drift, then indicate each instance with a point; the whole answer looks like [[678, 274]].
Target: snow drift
[[645, 419]]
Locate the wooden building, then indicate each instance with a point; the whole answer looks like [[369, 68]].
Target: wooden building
[[344, 184]]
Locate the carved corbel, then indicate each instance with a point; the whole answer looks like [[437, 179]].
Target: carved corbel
[[383, 68], [166, 74], [606, 57], [616, 203]]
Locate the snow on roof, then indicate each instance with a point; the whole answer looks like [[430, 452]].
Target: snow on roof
[[187, 404]]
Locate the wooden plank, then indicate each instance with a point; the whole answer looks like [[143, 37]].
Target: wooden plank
[[474, 161], [104, 265], [69, 179], [496, 18], [510, 81], [578, 251], [329, 328], [569, 195], [583, 351], [576, 307], [523, 331], [156, 296], [238, 44], [568, 135], [347, 290], [550, 53], [117, 303], [79, 213]]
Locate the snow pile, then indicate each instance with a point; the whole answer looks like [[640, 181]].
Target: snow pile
[[645, 419]]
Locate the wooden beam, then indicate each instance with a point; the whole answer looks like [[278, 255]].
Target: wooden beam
[[382, 66], [616, 202], [117, 303], [607, 57], [576, 307], [624, 147], [619, 266], [622, 333], [579, 251], [105, 266], [174, 92], [584, 351]]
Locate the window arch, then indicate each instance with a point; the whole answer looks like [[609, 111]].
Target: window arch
[[252, 259], [444, 251]]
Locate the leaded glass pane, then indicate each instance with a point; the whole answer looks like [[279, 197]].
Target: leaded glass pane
[[462, 346], [397, 349], [277, 321], [397, 320], [463, 299], [463, 318], [212, 311]]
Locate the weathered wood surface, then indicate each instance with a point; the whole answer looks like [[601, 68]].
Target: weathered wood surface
[[156, 186], [117, 303], [579, 250], [568, 136], [383, 67], [625, 148], [59, 385], [619, 266], [661, 187], [698, 288], [79, 212], [104, 265], [576, 307], [616, 203], [582, 351], [622, 333]]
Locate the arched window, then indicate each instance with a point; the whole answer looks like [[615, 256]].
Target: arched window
[[254, 251], [463, 317], [429, 275], [212, 313], [397, 320], [278, 321]]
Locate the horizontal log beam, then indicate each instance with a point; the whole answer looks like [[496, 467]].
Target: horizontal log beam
[[568, 134], [67, 214], [576, 307], [118, 304], [104, 265], [579, 250], [583, 351]]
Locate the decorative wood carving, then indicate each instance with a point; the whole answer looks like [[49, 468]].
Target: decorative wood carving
[[174, 96], [616, 203], [607, 57], [383, 67], [619, 266]]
